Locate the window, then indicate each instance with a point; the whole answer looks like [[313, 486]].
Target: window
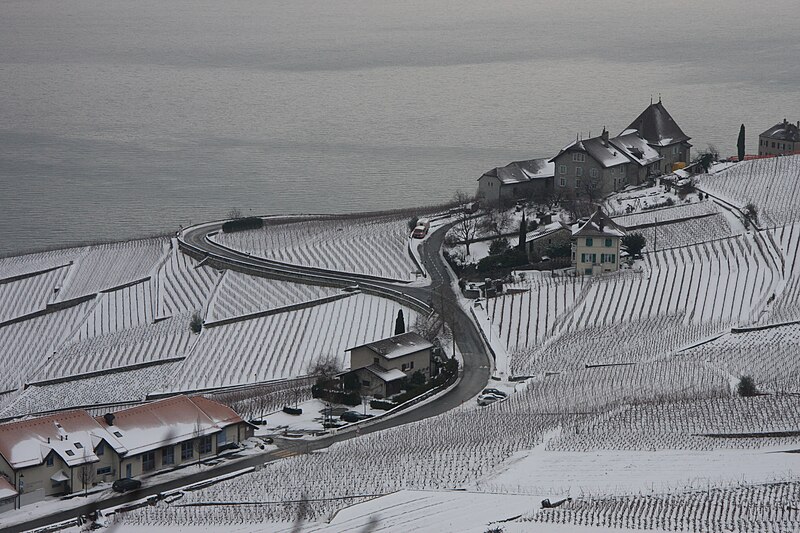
[[187, 450], [49, 460], [168, 455], [103, 470], [79, 445], [608, 243], [579, 157], [148, 461], [773, 144], [205, 444], [622, 170], [577, 182], [589, 241], [403, 367], [562, 169], [579, 171], [562, 182], [222, 438], [365, 382], [411, 365], [593, 172], [674, 150], [608, 258], [101, 449], [375, 360], [587, 271], [117, 434], [69, 452]]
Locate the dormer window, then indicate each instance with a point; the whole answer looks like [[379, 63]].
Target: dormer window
[[79, 445], [117, 434], [70, 453]]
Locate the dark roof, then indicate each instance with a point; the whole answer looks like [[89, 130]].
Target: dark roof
[[598, 224], [783, 131], [657, 126], [522, 171]]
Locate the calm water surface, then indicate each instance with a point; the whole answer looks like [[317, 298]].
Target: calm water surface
[[123, 118]]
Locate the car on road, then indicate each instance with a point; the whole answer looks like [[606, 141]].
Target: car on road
[[496, 392], [125, 484], [353, 416], [487, 399]]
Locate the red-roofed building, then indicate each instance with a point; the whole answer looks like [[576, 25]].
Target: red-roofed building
[[56, 454], [174, 431], [69, 451]]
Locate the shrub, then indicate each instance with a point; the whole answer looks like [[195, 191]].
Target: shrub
[[633, 244], [242, 224], [382, 405], [499, 246], [412, 223], [196, 323], [746, 387]]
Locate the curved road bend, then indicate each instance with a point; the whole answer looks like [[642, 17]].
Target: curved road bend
[[475, 370]]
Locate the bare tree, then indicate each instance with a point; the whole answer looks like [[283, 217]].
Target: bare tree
[[428, 326], [466, 228], [497, 221], [86, 472]]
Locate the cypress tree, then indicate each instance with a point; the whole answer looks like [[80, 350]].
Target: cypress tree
[[523, 232], [400, 323], [740, 143]]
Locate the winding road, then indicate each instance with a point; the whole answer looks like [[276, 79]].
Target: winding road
[[438, 295]]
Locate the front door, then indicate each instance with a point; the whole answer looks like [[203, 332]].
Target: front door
[[128, 470]]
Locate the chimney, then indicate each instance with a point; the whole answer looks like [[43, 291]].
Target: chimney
[[109, 418], [48, 440], [604, 136]]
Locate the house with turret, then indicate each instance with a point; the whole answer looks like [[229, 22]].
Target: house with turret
[[660, 131]]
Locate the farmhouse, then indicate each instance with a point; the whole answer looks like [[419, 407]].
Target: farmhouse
[[171, 432], [781, 139], [601, 165], [657, 127], [515, 181], [56, 454], [595, 244], [380, 365]]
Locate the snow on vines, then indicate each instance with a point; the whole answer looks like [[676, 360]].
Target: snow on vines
[[763, 508], [684, 293], [285, 344], [239, 294], [183, 285], [377, 246], [449, 451], [772, 184], [27, 346], [30, 294]]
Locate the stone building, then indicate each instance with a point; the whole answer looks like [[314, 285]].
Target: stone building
[[380, 365], [516, 181], [781, 139], [657, 127]]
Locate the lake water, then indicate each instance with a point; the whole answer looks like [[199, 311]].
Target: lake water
[[124, 118]]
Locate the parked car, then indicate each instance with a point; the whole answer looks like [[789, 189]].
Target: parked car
[[487, 399], [353, 416], [496, 392], [125, 484]]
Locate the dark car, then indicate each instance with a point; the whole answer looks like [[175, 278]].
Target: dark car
[[496, 392], [353, 416], [125, 484]]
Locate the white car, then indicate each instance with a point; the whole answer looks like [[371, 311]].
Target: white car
[[488, 399]]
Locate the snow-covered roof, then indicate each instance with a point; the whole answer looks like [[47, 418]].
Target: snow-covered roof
[[6, 489], [600, 149], [386, 375], [784, 131], [543, 231], [636, 148], [170, 421], [522, 171], [397, 346], [657, 126], [598, 224], [72, 435]]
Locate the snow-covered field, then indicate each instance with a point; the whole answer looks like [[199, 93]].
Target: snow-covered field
[[376, 246], [286, 344], [772, 185]]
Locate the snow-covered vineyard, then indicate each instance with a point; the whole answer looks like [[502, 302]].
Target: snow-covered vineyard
[[626, 399], [109, 325]]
